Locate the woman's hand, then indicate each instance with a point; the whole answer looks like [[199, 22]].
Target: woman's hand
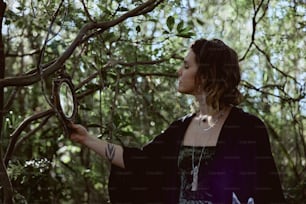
[[78, 133]]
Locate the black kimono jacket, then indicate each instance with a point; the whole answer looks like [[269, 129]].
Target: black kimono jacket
[[243, 164]]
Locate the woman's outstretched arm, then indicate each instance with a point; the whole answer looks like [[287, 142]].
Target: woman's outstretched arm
[[112, 152]]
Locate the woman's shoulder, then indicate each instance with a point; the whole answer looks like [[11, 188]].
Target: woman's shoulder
[[185, 119], [245, 118], [249, 127]]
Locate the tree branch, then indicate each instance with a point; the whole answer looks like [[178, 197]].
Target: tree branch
[[32, 78], [22, 55], [255, 22], [261, 90], [274, 67], [112, 63], [19, 129], [10, 100], [41, 54], [94, 75], [171, 75], [87, 12], [30, 133]]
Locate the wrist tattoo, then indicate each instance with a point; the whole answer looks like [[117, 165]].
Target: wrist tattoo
[[110, 152]]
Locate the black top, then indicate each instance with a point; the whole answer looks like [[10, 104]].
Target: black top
[[189, 159], [242, 164]]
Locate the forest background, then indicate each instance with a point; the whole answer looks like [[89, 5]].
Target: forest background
[[122, 57]]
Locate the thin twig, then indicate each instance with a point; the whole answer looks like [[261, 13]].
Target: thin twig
[[87, 12], [273, 66], [10, 99]]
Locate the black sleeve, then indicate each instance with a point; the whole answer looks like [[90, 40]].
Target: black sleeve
[[268, 187], [142, 171], [258, 176]]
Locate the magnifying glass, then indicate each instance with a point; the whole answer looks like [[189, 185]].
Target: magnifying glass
[[64, 101]]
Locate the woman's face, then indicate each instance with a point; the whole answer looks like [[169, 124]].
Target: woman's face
[[186, 75]]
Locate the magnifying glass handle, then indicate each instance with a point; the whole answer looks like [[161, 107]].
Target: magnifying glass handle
[[67, 130], [65, 125]]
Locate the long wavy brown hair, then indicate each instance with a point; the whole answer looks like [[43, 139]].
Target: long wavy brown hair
[[218, 72]]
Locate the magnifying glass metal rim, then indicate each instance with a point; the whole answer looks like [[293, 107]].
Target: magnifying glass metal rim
[[56, 97]]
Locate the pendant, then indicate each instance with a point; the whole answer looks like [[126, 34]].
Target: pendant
[[204, 119], [194, 184]]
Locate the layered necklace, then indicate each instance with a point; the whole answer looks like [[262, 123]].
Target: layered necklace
[[195, 168]]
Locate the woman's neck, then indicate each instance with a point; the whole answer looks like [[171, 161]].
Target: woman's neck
[[204, 108]]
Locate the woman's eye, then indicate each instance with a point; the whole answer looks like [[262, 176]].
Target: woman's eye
[[186, 66]]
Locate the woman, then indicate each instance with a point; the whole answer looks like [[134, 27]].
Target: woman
[[219, 154]]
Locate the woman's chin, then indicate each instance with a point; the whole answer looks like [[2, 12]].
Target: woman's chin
[[180, 90], [184, 91]]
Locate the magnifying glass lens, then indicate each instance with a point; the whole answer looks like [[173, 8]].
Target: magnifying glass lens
[[66, 99]]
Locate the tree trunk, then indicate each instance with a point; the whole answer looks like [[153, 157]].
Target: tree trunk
[[5, 182]]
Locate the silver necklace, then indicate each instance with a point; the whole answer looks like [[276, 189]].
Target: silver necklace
[[195, 169], [205, 118]]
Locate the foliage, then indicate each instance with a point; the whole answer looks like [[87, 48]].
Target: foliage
[[125, 82]]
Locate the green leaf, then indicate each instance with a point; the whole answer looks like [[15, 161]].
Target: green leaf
[[123, 9], [138, 29], [7, 22], [188, 34], [199, 21], [180, 27], [170, 22]]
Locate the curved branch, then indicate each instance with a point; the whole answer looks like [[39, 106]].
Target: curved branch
[[29, 134], [32, 78], [262, 91], [19, 129], [273, 66]]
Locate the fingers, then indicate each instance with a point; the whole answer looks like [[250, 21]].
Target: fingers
[[72, 125], [75, 135], [78, 133], [75, 127]]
